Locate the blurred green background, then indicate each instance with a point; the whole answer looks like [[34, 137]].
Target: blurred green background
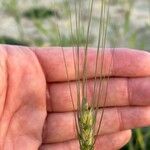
[[33, 23]]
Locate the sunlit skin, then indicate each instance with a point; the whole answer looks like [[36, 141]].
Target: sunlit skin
[[36, 111]]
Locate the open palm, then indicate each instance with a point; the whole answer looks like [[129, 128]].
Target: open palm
[[35, 105]]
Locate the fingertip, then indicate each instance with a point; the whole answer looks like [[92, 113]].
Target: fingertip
[[113, 141], [127, 135], [131, 62]]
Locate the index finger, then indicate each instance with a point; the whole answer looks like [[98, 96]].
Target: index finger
[[124, 63]]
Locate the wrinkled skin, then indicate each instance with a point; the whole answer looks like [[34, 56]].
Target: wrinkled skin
[[35, 105]]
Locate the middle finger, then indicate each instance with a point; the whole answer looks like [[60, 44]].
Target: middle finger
[[120, 92]]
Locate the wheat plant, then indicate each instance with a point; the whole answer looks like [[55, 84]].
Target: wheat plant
[[86, 116]]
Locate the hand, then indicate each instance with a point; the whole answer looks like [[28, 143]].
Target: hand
[[30, 90]]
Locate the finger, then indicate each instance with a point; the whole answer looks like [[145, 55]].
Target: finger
[[61, 127], [120, 92], [124, 62], [118, 140]]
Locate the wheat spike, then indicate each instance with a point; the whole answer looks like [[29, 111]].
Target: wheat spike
[[86, 122]]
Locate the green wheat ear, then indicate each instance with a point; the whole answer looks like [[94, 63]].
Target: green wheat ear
[[86, 122]]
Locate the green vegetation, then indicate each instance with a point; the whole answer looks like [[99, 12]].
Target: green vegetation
[[39, 13], [12, 41]]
